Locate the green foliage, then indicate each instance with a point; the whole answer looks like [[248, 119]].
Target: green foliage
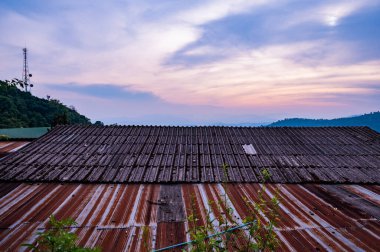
[[199, 233], [4, 137], [145, 238], [221, 234], [203, 235], [265, 175], [262, 235], [99, 123], [15, 82], [60, 119], [58, 239], [21, 109]]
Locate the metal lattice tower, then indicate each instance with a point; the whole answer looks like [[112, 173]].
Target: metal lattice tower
[[25, 72]]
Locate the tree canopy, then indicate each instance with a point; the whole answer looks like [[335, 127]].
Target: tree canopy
[[22, 109]]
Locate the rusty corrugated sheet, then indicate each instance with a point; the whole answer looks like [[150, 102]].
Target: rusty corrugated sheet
[[7, 147], [124, 154], [121, 217]]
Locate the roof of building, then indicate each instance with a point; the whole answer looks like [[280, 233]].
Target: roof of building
[[116, 216], [123, 154], [7, 147], [124, 216], [24, 133]]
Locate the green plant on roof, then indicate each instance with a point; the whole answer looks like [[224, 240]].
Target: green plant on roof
[[199, 233], [265, 175], [223, 233], [263, 213], [4, 137], [57, 238], [145, 238]]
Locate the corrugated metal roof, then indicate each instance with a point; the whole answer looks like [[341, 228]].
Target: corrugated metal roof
[[197, 154], [114, 216], [7, 147]]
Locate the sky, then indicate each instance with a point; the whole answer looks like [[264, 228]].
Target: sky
[[197, 62]]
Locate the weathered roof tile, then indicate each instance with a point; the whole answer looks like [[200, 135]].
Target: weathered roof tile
[[197, 154]]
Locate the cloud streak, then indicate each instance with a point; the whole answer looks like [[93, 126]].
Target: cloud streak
[[265, 59], [117, 104]]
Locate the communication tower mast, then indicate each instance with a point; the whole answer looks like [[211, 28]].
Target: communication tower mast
[[25, 72]]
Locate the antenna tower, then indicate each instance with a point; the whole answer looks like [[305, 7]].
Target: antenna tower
[[25, 72]]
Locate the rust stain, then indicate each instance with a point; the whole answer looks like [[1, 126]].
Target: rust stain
[[9, 146], [169, 233], [123, 217]]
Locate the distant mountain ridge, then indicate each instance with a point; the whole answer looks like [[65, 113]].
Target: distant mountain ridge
[[371, 120]]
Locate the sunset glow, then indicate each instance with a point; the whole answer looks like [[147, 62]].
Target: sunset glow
[[198, 62]]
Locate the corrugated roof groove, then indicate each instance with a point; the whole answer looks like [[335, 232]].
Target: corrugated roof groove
[[112, 216], [194, 154]]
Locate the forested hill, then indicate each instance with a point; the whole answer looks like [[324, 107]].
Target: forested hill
[[21, 109], [371, 120]]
